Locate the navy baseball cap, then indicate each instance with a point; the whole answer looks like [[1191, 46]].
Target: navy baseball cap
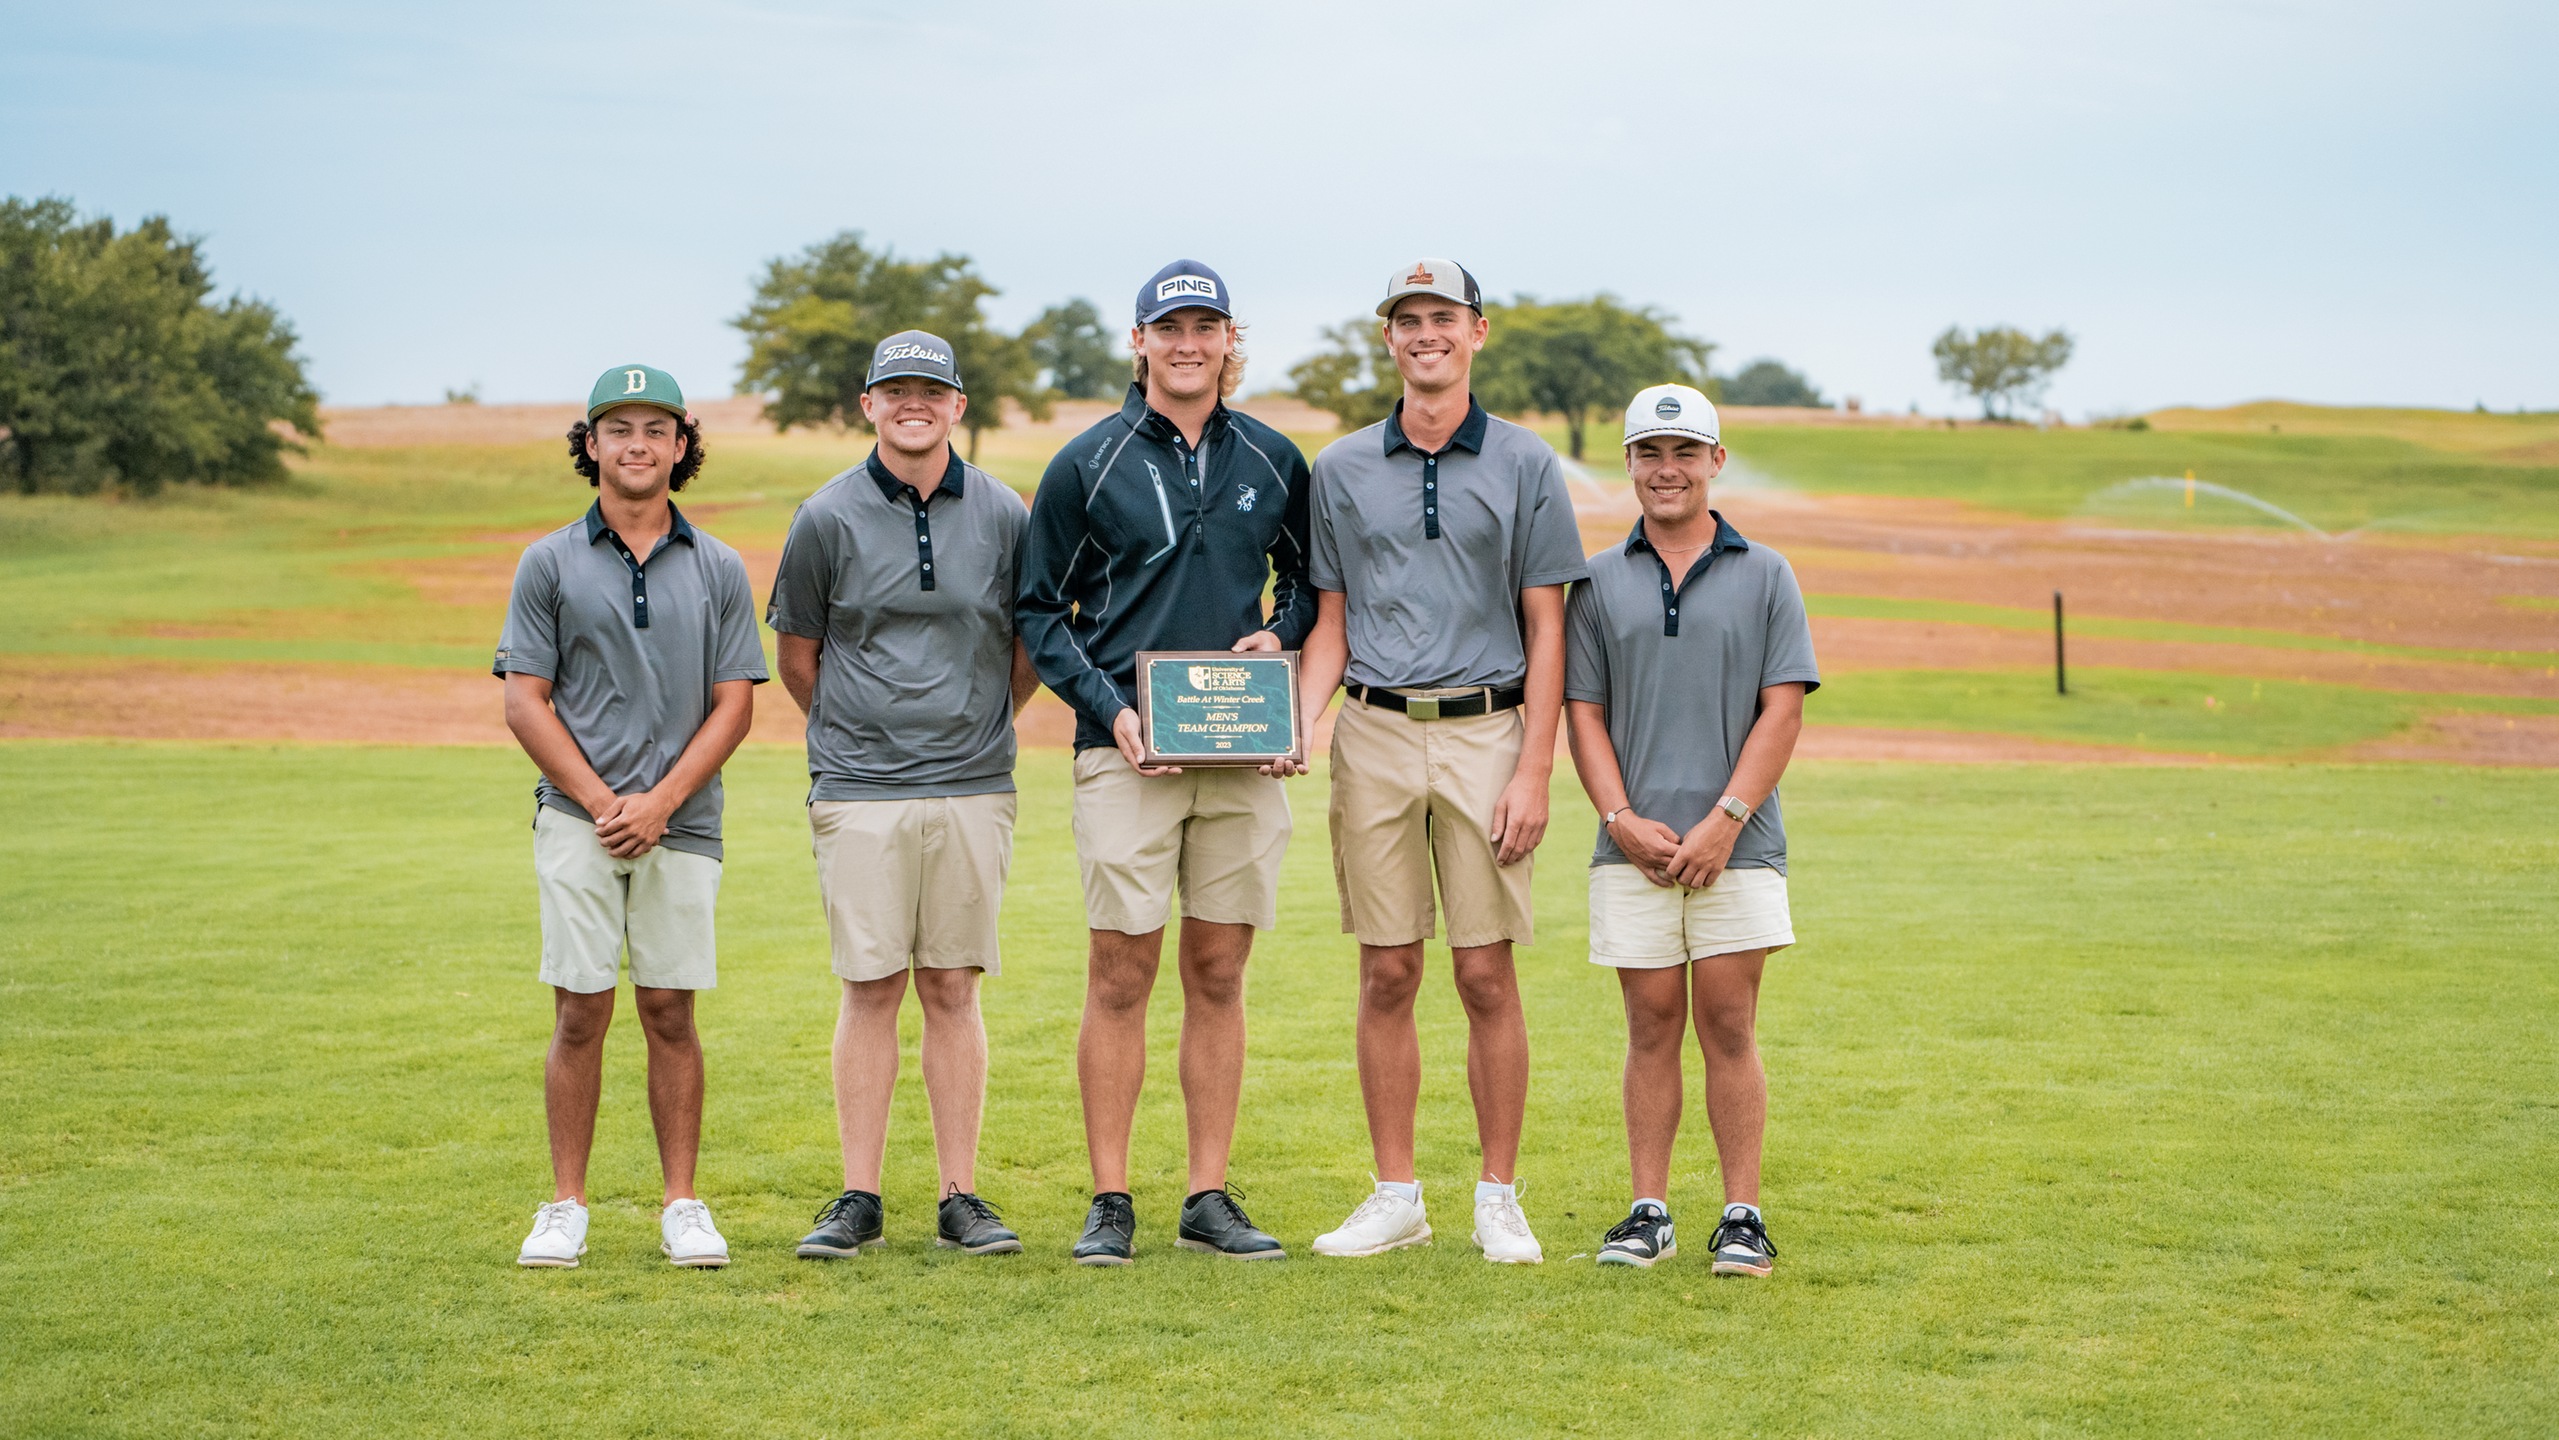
[[1180, 286], [914, 352]]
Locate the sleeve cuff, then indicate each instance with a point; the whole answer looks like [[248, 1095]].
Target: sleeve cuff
[[518, 665], [1595, 697], [1556, 577], [1811, 680], [755, 673]]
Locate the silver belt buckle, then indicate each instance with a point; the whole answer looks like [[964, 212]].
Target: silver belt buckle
[[1421, 707]]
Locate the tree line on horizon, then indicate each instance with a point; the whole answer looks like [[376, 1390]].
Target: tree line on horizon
[[118, 368]]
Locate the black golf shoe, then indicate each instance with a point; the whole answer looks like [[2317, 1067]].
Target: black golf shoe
[[1110, 1230], [971, 1224], [1212, 1221], [1742, 1246], [1643, 1237], [849, 1222]]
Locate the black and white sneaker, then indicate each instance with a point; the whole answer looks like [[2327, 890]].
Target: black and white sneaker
[[1110, 1230], [1742, 1246], [850, 1222], [969, 1223], [1212, 1221], [1643, 1237]]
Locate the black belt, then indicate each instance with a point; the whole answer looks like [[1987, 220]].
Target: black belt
[[1490, 700]]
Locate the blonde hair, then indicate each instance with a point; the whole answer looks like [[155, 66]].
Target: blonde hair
[[1230, 376]]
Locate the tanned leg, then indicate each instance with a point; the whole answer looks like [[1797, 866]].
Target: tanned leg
[[865, 1066], [954, 1070], [675, 1083], [1212, 965], [1496, 1053], [572, 1082], [1656, 1024], [1390, 1052], [1727, 999], [1110, 1052]]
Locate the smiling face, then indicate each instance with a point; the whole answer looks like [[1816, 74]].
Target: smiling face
[[1434, 341], [1671, 474], [1185, 352], [635, 448], [913, 415]]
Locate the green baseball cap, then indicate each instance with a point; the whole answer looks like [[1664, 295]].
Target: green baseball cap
[[635, 385]]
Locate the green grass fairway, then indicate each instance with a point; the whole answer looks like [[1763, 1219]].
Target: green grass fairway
[[2107, 1101], [2151, 709], [2335, 481]]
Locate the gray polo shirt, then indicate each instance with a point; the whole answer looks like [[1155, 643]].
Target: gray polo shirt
[[912, 600], [632, 648], [1680, 667], [1430, 551]]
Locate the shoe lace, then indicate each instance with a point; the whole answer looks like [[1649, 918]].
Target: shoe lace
[[691, 1214], [1507, 1217], [1116, 1212], [841, 1207], [975, 1206], [1225, 1198], [553, 1218], [1741, 1229], [1637, 1223], [1376, 1204]]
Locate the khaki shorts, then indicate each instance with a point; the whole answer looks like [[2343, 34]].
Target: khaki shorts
[[1411, 797], [659, 903], [1215, 832], [912, 882], [1638, 925]]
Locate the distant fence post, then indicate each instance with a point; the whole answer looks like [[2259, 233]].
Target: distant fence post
[[2061, 671]]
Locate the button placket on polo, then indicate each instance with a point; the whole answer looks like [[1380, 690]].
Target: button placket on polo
[[923, 539], [1430, 497]]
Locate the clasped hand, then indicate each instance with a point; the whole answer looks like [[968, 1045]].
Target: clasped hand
[[1666, 857]]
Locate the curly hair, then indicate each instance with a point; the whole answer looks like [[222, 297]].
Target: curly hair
[[687, 465], [1230, 376]]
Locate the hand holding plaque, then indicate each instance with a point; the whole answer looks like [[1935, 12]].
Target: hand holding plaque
[[1219, 707]]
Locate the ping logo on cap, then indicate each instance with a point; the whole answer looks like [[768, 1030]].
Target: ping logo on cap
[[910, 351], [634, 381], [1199, 285], [1667, 407]]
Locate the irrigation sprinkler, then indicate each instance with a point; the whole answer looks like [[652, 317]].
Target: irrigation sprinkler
[[2061, 672]]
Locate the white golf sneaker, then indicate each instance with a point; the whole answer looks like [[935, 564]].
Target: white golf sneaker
[[1384, 1221], [1502, 1231], [691, 1239], [558, 1238]]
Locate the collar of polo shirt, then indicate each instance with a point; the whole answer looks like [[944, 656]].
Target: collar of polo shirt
[[1726, 537], [678, 527], [954, 476], [1469, 436]]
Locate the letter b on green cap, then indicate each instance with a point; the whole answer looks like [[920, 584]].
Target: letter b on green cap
[[635, 385]]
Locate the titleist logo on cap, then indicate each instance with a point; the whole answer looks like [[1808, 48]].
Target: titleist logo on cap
[[912, 351]]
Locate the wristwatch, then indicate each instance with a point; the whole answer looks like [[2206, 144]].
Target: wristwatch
[[1732, 805]]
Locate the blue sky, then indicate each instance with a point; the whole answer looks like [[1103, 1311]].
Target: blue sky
[[2336, 202]]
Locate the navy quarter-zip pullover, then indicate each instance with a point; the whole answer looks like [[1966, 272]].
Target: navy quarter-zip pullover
[[1139, 542]]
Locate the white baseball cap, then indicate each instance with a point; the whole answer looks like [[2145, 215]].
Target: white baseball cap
[[1673, 410]]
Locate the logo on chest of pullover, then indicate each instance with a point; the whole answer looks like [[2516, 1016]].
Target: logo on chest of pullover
[[1245, 495]]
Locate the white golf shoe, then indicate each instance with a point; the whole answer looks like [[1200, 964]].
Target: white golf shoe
[[1502, 1232], [558, 1238], [1384, 1221], [691, 1239]]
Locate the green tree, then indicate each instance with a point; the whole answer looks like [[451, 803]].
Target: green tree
[[1572, 358], [1353, 376], [2002, 366], [1767, 382], [1072, 349], [118, 368], [816, 317]]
